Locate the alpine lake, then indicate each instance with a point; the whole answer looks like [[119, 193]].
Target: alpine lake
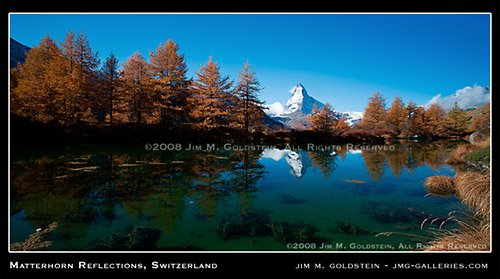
[[232, 197]]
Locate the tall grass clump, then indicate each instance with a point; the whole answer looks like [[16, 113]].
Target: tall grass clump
[[441, 186], [470, 237], [473, 189]]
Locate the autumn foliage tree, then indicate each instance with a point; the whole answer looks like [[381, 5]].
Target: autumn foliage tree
[[456, 120], [341, 125], [247, 90], [323, 120], [212, 98], [63, 83], [396, 115], [170, 83], [40, 94], [81, 66], [434, 118], [110, 78], [414, 123], [375, 113], [411, 119], [136, 93]]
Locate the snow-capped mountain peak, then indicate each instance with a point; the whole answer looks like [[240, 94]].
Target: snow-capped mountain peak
[[300, 100], [298, 108]]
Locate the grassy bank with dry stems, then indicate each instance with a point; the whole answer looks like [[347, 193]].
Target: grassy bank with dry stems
[[471, 185]]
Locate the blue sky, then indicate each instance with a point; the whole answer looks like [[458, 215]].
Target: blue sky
[[340, 58]]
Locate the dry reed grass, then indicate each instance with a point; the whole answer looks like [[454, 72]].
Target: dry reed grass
[[484, 143], [457, 156], [441, 186], [473, 189], [469, 238]]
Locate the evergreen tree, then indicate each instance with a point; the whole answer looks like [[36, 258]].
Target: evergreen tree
[[247, 89], [110, 77], [170, 82], [322, 120], [396, 115], [456, 120], [137, 99], [375, 113], [212, 100]]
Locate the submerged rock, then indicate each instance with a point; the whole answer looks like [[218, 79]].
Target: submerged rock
[[140, 238], [286, 198]]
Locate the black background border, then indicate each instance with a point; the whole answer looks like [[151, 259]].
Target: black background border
[[241, 264]]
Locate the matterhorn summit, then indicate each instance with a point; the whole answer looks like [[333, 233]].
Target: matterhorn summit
[[298, 108], [300, 100]]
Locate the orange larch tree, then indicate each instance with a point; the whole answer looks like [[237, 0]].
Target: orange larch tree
[[212, 101], [396, 114], [170, 83], [136, 94], [247, 90], [375, 113], [323, 120], [39, 94]]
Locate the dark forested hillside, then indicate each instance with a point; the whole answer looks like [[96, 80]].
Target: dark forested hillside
[[17, 53]]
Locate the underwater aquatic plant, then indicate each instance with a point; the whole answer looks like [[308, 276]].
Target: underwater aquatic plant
[[247, 223], [349, 228], [139, 238], [296, 232], [394, 212]]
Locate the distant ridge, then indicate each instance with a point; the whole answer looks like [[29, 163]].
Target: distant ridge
[[17, 53]]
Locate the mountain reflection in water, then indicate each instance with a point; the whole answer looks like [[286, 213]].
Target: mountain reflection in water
[[96, 191]]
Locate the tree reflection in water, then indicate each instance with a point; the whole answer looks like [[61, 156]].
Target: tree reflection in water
[[80, 187]]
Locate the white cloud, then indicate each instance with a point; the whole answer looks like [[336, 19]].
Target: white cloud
[[468, 97], [277, 109]]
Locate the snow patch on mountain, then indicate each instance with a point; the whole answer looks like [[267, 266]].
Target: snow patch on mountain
[[352, 117]]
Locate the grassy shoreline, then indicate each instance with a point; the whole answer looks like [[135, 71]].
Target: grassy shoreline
[[23, 130], [471, 185]]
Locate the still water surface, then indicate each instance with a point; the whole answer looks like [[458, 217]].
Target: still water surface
[[123, 197]]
